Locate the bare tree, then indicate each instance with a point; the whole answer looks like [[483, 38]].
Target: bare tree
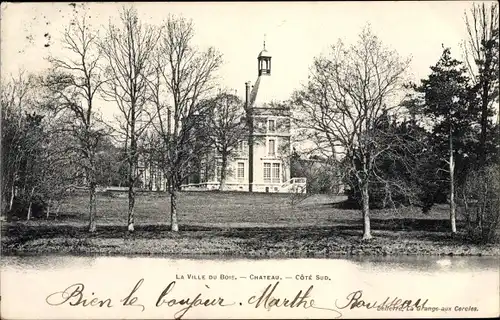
[[35, 168], [481, 57], [74, 83], [49, 170], [479, 196], [128, 51], [15, 100], [338, 109], [226, 128], [184, 78]]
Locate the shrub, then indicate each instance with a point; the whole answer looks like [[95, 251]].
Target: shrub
[[480, 198], [21, 205]]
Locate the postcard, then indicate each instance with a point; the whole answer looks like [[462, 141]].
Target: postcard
[[217, 160]]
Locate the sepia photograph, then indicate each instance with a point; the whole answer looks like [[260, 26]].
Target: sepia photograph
[[250, 160]]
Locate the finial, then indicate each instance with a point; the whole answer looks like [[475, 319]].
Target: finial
[[264, 41]]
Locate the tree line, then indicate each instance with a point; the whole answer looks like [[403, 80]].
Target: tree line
[[54, 138], [400, 143], [390, 141]]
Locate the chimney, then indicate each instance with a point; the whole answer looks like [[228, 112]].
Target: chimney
[[250, 136], [247, 93]]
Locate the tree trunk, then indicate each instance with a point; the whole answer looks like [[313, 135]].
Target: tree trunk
[[28, 217], [4, 203], [48, 209], [482, 208], [131, 195], [223, 170], [173, 210], [467, 216], [12, 196], [131, 205], [366, 212], [92, 207], [479, 222], [131, 178], [452, 189], [484, 126]]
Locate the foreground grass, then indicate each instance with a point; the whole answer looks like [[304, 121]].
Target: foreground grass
[[236, 224]]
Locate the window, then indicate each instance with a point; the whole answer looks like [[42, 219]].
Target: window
[[267, 172], [242, 146], [271, 126], [272, 147], [264, 64], [203, 173], [218, 171], [276, 172], [241, 170], [272, 172]]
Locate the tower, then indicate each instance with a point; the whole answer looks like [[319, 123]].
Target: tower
[[269, 130]]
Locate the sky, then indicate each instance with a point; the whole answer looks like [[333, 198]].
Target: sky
[[295, 32]]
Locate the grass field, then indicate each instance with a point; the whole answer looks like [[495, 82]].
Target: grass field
[[239, 224]]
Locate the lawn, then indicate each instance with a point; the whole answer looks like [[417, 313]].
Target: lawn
[[236, 224]]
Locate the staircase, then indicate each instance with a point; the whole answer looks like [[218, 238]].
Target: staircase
[[294, 185]]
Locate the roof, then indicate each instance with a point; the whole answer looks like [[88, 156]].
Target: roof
[[264, 53], [262, 93]]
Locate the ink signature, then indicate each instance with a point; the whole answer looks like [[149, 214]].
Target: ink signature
[[77, 295]]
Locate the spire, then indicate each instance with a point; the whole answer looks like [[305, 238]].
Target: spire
[[264, 52]]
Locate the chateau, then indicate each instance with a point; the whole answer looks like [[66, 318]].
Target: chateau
[[262, 161]]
